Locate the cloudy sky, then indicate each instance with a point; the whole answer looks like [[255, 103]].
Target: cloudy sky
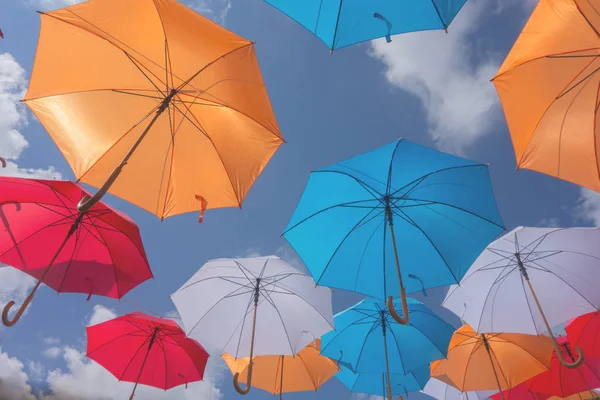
[[431, 87]]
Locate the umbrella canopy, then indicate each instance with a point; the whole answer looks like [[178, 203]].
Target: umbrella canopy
[[307, 370], [492, 361], [368, 340], [142, 349], [343, 23], [156, 86], [442, 391], [588, 394], [253, 306], [530, 280], [99, 252], [519, 392], [374, 383], [583, 332], [548, 86], [562, 381], [402, 218]]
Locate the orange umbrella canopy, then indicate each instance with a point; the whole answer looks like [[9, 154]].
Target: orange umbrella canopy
[[548, 87], [306, 371], [492, 361], [182, 95]]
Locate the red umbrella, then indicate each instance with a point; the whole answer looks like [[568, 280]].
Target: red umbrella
[[519, 392], [42, 234], [562, 381], [142, 349]]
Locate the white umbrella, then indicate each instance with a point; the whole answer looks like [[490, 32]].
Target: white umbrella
[[442, 391], [530, 280], [252, 307]]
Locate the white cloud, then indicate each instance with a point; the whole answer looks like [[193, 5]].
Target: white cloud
[[216, 10], [36, 370], [15, 286], [460, 101], [13, 116], [51, 341], [101, 314], [47, 5], [52, 352], [587, 209], [13, 379]]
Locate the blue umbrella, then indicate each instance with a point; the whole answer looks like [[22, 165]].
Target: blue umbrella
[[404, 205], [341, 23], [375, 383], [367, 340]]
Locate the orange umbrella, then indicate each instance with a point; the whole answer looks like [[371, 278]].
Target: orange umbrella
[[307, 370], [154, 103], [493, 360], [548, 86]]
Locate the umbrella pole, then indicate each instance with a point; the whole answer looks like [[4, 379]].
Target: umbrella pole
[[390, 301], [88, 202], [387, 363], [281, 381], [383, 386], [539, 306], [8, 322], [236, 377], [487, 348], [152, 339]]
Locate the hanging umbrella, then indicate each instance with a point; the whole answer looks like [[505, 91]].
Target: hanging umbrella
[[368, 340], [97, 252], [519, 392], [584, 332], [562, 381], [442, 391], [142, 349], [374, 383], [154, 103], [548, 87], [339, 24], [307, 370], [402, 218], [530, 280], [492, 361], [250, 307]]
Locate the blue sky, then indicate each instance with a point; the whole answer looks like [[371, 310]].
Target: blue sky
[[432, 88]]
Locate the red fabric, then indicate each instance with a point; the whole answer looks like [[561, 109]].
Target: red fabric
[[520, 392], [121, 345], [562, 381], [1, 34], [104, 256], [584, 331]]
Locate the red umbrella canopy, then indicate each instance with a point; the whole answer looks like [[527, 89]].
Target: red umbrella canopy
[[584, 331], [562, 381], [41, 233], [519, 392], [142, 349]]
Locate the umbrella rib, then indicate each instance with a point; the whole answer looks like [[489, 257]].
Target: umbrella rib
[[524, 349], [362, 257], [270, 301], [476, 346], [76, 249], [129, 334], [338, 333], [162, 347], [390, 169], [129, 92], [147, 340], [310, 376], [367, 187], [374, 326], [398, 348], [501, 371], [108, 248]]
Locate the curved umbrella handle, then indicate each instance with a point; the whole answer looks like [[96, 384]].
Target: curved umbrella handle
[[390, 305], [562, 360], [8, 322], [236, 383], [3, 162]]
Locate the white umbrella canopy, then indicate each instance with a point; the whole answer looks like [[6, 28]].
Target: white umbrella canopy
[[530, 280], [442, 391]]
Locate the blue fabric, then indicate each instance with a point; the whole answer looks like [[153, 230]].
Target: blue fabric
[[373, 383], [341, 23], [444, 215], [358, 341]]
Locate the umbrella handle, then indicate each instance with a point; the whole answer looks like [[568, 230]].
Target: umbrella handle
[[10, 322], [3, 162], [236, 383], [394, 314], [580, 356]]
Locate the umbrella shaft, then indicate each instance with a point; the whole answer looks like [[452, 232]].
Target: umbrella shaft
[[489, 352], [152, 339], [387, 364]]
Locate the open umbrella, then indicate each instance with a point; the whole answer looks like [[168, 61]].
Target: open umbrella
[[250, 307], [343, 23], [583, 331], [142, 349], [562, 381], [492, 361], [548, 86], [97, 252], [374, 383], [154, 103], [367, 339], [442, 391], [307, 370], [399, 219], [530, 280]]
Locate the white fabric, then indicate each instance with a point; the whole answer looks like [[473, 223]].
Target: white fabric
[[442, 391], [216, 306], [564, 269]]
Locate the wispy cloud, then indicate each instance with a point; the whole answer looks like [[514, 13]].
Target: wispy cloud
[[216, 10], [587, 209]]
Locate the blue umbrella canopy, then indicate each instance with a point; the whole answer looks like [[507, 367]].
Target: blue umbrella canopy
[[368, 340], [401, 218], [374, 383], [341, 23]]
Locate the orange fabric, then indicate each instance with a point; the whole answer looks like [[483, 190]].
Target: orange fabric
[[102, 69], [468, 367], [548, 87], [307, 370]]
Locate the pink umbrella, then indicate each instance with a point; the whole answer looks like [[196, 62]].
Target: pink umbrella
[[42, 234]]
